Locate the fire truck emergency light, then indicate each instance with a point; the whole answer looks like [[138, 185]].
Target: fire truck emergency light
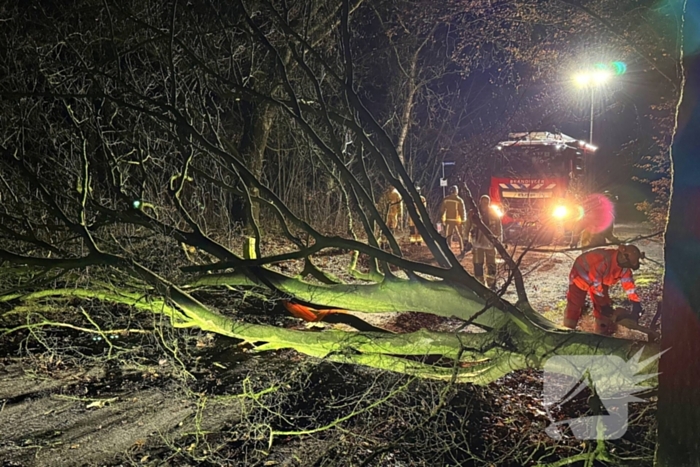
[[497, 209], [560, 212]]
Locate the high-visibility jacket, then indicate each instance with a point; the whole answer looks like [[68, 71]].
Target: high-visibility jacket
[[452, 209], [597, 268], [490, 220], [410, 220], [390, 205]]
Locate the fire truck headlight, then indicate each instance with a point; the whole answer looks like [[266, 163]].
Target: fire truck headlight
[[560, 212], [497, 209]]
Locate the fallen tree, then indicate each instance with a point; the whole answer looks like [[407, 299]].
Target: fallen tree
[[514, 339], [127, 159]]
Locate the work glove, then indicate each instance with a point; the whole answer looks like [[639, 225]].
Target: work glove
[[607, 311], [637, 311]]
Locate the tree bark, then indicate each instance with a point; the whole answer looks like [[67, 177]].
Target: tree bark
[[406, 119], [252, 147], [679, 382]]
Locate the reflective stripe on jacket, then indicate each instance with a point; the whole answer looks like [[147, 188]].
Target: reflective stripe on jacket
[[596, 268], [452, 209]]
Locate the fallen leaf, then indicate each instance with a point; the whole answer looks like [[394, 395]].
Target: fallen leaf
[[98, 404]]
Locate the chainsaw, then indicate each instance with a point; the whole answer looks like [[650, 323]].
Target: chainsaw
[[622, 317]]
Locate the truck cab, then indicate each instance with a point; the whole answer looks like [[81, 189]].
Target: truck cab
[[533, 175]]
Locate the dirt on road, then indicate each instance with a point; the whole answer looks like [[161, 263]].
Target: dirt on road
[[85, 416]]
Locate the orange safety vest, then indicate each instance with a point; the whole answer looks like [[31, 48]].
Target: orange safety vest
[[596, 268]]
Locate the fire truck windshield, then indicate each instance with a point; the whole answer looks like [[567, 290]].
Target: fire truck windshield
[[531, 161]]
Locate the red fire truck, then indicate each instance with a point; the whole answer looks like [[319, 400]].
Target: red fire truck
[[531, 181]]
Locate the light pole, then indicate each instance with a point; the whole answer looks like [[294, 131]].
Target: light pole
[[591, 80]]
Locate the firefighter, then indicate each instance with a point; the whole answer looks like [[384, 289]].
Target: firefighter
[[415, 237], [395, 212], [594, 272], [484, 251], [391, 207], [453, 214]]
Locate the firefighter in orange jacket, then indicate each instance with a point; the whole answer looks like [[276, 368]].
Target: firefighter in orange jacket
[[391, 208], [593, 273], [452, 215]]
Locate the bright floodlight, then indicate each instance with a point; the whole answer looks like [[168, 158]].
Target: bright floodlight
[[601, 76], [594, 78], [582, 79]]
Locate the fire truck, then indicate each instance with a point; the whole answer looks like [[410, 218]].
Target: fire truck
[[532, 177]]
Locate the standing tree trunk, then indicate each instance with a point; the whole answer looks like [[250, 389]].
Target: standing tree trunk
[[679, 382], [413, 84], [406, 119], [252, 147]]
